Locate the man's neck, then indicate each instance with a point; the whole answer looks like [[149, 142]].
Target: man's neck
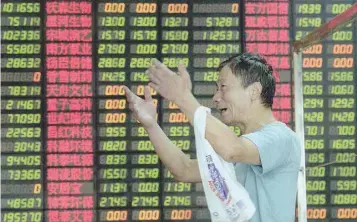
[[257, 121]]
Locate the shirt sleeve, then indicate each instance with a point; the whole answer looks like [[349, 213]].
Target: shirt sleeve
[[273, 147]]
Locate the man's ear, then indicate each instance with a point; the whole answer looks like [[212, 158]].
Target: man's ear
[[255, 90]]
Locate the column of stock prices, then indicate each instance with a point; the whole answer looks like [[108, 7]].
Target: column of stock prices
[[71, 150], [22, 142], [329, 76]]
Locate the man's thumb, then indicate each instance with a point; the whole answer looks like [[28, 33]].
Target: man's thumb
[[147, 93], [183, 71]]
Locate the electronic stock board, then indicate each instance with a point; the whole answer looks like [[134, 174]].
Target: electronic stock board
[[71, 151]]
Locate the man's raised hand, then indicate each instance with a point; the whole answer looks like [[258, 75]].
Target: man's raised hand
[[168, 84], [144, 110]]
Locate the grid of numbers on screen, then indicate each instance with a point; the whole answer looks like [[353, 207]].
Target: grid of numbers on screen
[[129, 186], [329, 76], [72, 151], [179, 200], [21, 112], [195, 36]]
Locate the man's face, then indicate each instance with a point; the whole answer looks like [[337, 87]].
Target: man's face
[[231, 99]]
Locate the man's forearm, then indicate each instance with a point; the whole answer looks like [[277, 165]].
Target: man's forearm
[[188, 105], [218, 134], [171, 156]]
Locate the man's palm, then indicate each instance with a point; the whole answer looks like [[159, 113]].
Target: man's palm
[[167, 83], [144, 110]]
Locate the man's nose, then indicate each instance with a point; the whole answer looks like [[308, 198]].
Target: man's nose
[[217, 97]]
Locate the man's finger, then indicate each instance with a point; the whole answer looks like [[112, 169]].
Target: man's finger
[[155, 74], [147, 94], [161, 69], [152, 68], [131, 106], [153, 77], [157, 63], [130, 96], [183, 71], [154, 86]]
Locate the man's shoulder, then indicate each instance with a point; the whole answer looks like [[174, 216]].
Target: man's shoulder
[[278, 125], [286, 134], [278, 141], [278, 130], [291, 144]]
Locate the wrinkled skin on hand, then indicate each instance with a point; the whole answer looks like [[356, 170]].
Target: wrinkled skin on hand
[[144, 110], [167, 83]]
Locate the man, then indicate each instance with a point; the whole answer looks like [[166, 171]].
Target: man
[[266, 156]]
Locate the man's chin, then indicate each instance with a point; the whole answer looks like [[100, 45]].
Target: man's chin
[[225, 119]]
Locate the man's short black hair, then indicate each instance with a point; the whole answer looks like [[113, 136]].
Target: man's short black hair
[[252, 68]]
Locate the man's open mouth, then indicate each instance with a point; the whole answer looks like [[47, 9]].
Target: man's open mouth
[[223, 110]]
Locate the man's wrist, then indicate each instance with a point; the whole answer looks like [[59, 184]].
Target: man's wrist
[[188, 104], [185, 98], [151, 127]]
